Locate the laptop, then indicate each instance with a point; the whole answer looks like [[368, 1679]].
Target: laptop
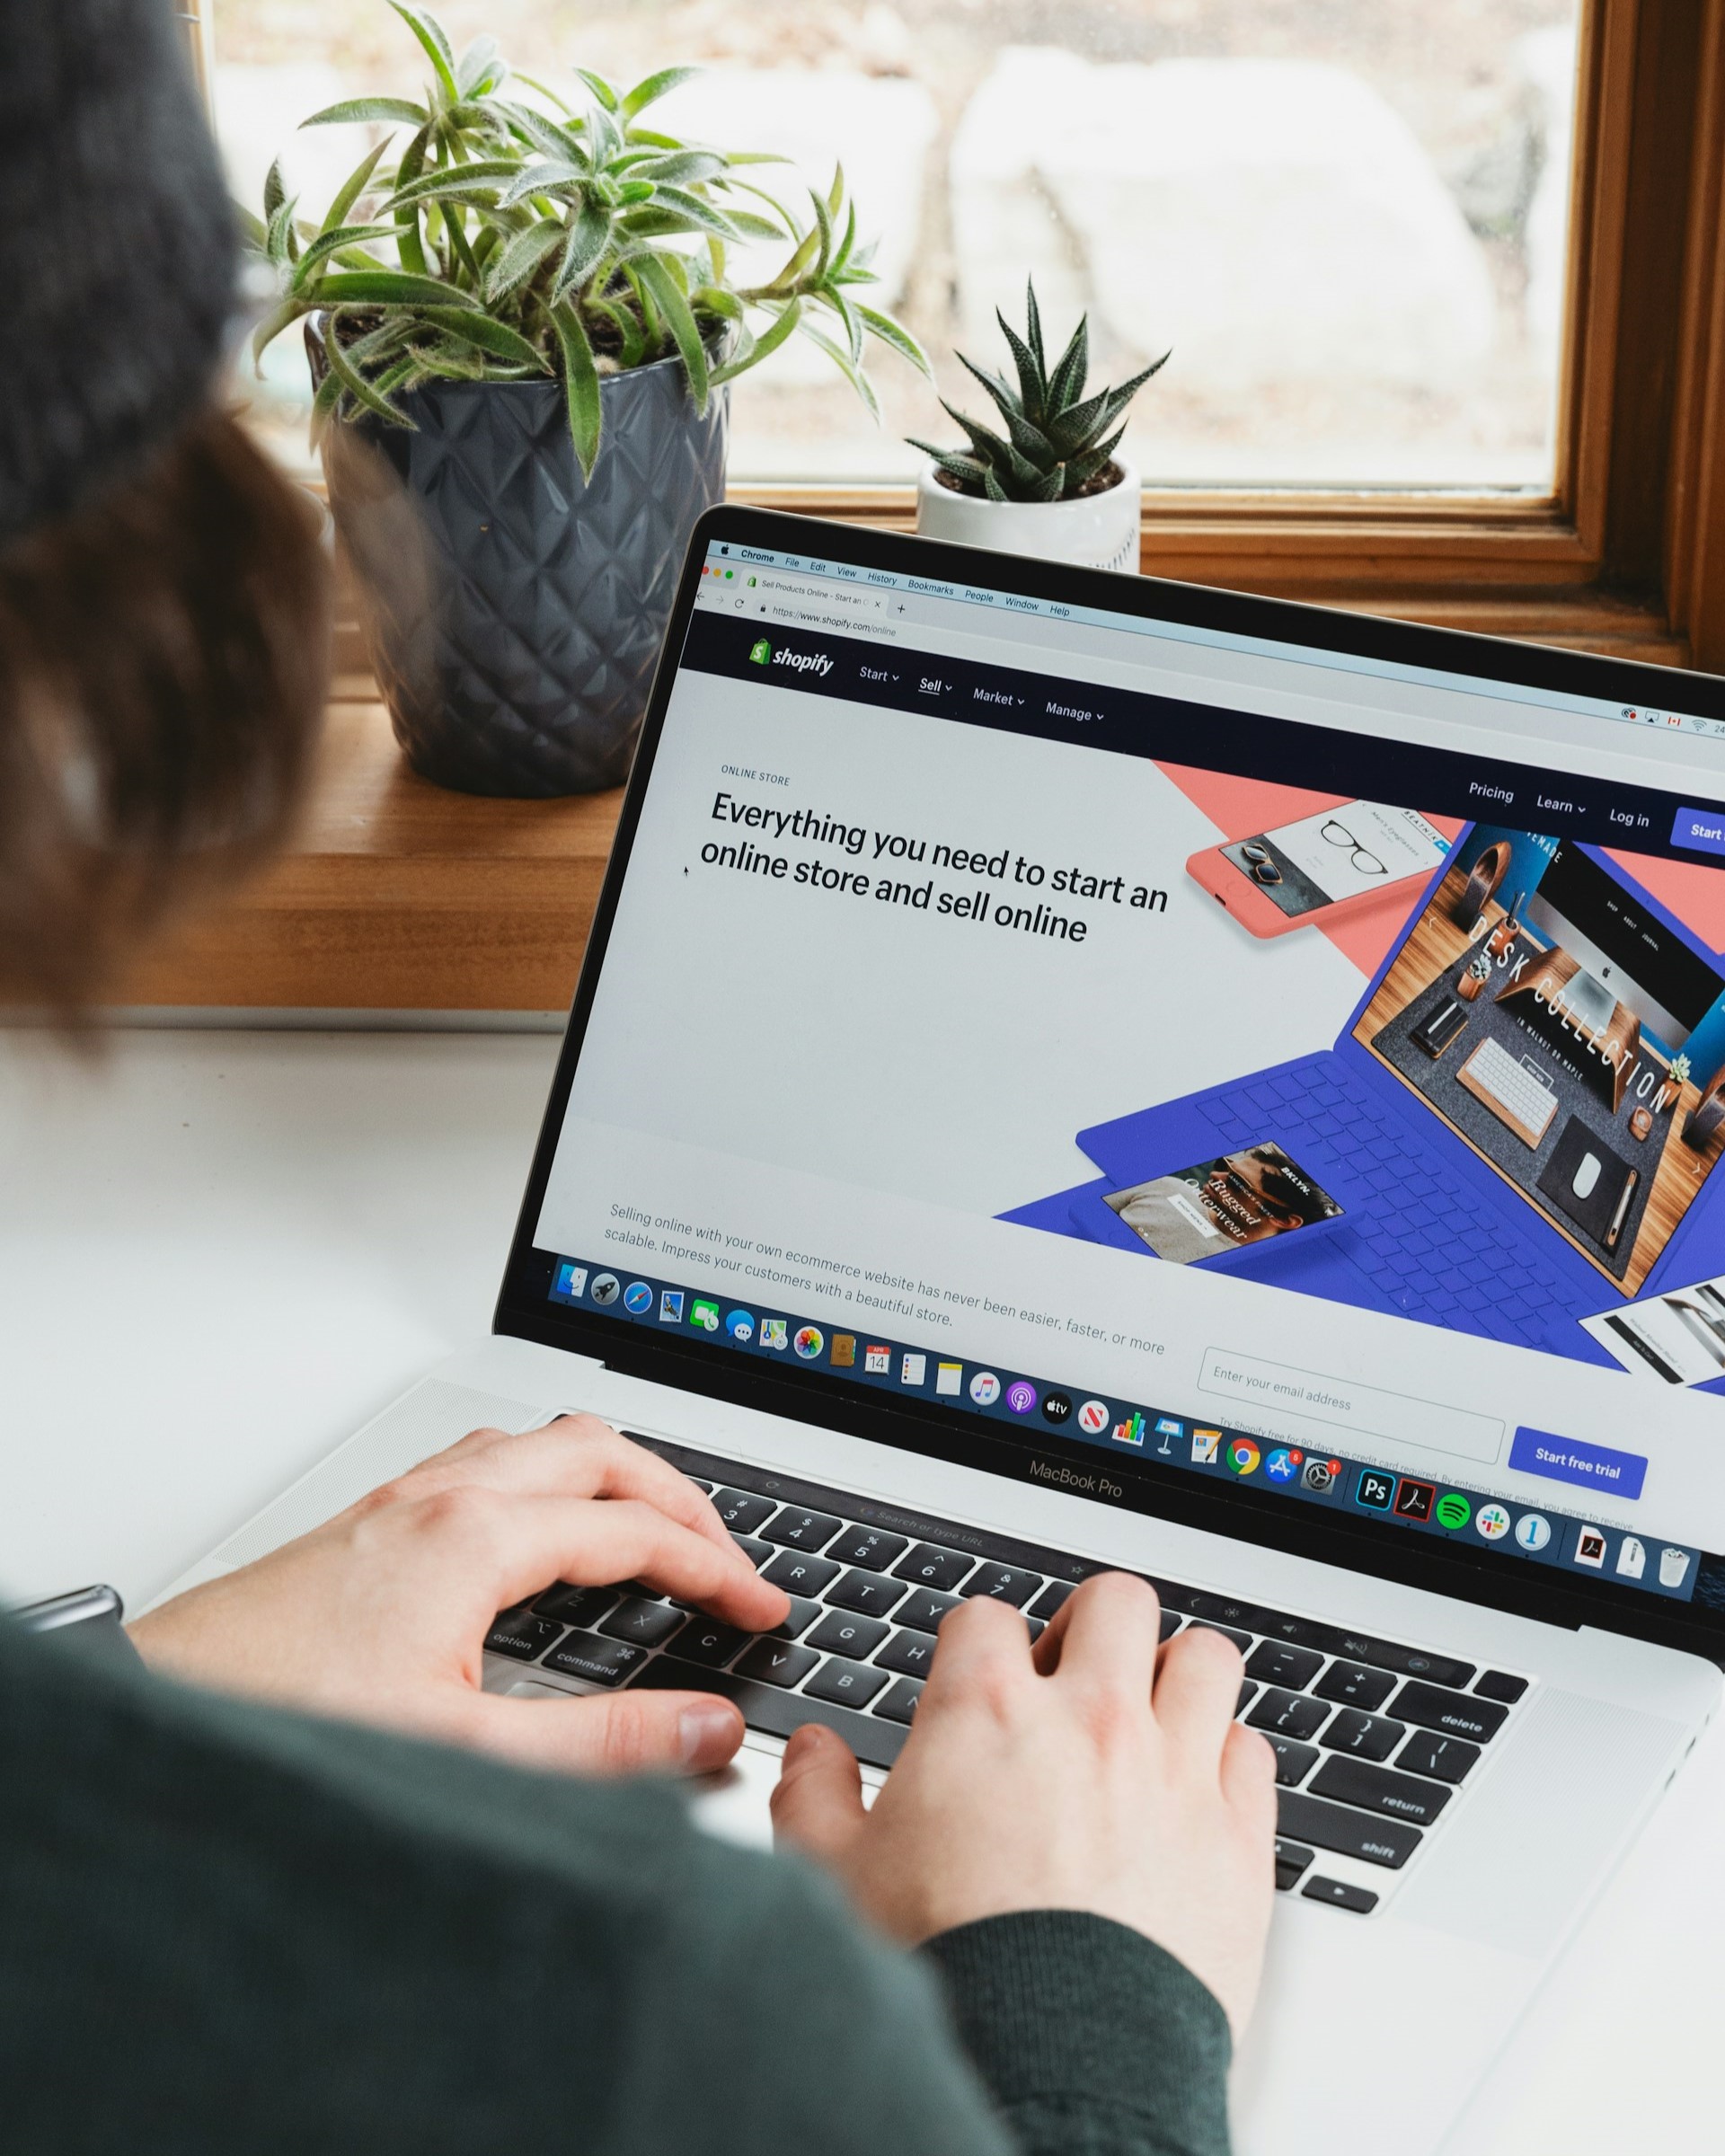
[[902, 896], [1538, 1112]]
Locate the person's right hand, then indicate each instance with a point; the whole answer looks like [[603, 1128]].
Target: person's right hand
[[1089, 1773]]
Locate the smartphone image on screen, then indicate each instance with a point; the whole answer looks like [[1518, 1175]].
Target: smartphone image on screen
[[1328, 865], [1222, 1206]]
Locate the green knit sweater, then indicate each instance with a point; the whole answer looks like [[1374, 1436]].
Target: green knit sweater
[[226, 1931]]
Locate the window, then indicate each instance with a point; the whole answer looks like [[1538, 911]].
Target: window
[[1350, 225], [1438, 279]]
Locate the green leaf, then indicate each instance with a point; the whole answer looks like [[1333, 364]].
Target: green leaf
[[846, 244], [993, 487], [792, 271], [681, 168], [764, 346], [409, 244], [476, 70], [352, 188], [522, 257], [282, 316], [545, 89], [1003, 397], [275, 192], [701, 215], [589, 234], [655, 274], [835, 195], [580, 385], [551, 138], [389, 288], [746, 226], [431, 187], [715, 299], [355, 108], [542, 179], [600, 88], [429, 31], [462, 253], [990, 447], [848, 315], [631, 337], [895, 335], [487, 334], [253, 228], [1033, 380], [846, 366], [278, 240], [1067, 382], [602, 133], [824, 226], [649, 91], [327, 243], [965, 469], [1033, 325], [1082, 470], [355, 384]]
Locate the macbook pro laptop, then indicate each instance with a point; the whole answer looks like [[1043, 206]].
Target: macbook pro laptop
[[925, 867]]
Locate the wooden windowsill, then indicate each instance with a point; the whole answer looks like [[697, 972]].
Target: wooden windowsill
[[397, 896]]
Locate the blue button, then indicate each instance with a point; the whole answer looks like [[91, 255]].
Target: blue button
[[1702, 830], [1567, 1460]]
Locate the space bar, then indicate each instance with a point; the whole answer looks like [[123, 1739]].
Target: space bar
[[776, 1712]]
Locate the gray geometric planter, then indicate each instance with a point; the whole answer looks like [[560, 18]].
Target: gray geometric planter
[[513, 613]]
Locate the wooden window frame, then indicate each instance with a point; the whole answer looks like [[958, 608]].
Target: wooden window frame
[[1627, 553]]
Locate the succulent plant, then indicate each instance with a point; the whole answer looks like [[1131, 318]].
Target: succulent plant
[[530, 239], [1056, 444], [1679, 1070]]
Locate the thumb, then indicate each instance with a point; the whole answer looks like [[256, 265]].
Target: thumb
[[817, 1804], [630, 1733], [1248, 1774]]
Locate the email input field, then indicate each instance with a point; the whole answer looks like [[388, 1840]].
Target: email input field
[[1350, 1409]]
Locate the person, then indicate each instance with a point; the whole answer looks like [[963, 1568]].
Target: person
[[288, 1879]]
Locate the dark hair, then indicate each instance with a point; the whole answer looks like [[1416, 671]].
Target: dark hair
[[163, 656]]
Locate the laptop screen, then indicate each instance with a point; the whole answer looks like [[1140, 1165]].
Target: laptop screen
[[1188, 1052]]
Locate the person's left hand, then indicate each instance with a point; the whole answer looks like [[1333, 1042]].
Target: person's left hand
[[380, 1615]]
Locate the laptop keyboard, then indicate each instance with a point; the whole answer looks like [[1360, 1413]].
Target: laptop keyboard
[[1422, 1251], [1375, 1741]]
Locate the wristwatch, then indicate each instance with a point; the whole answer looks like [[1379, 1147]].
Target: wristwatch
[[87, 1618]]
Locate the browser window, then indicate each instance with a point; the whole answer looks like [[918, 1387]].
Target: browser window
[[1181, 1046]]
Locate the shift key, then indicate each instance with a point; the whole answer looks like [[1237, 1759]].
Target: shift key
[[1386, 1842]]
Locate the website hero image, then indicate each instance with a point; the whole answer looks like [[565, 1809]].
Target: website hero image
[[1041, 1027]]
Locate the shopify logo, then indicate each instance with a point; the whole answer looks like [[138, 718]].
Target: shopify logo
[[762, 654], [802, 662]]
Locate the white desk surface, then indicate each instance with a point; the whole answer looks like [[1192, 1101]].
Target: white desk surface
[[224, 1250]]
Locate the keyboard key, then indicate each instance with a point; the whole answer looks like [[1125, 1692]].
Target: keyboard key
[[1293, 1762], [647, 1623], [801, 1575], [1401, 1661], [1446, 1757], [1051, 1597], [576, 1605], [778, 1712], [741, 1510], [907, 1653], [523, 1637], [1350, 1684], [924, 1611], [1497, 1685], [602, 1661], [927, 1567], [900, 1703], [755, 1550], [797, 1529], [1292, 1666], [1247, 1693], [706, 1639], [1291, 1860], [1288, 1714], [1003, 1583], [1455, 1713], [840, 1632], [870, 1593], [844, 1683], [777, 1662], [706, 1488], [1363, 1734], [1243, 1640], [868, 1547], [803, 1614], [1361, 1900], [1170, 1625], [1380, 1789], [1386, 1842]]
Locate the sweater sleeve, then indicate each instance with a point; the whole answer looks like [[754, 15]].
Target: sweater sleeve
[[1091, 2040]]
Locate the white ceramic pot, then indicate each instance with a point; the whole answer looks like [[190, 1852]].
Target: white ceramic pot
[[1098, 531]]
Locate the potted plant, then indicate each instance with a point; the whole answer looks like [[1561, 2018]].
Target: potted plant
[[521, 327], [1052, 484]]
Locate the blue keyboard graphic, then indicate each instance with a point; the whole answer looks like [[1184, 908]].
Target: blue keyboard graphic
[[1418, 1237]]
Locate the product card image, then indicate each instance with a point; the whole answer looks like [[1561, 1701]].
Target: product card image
[[1679, 1337], [1223, 1205]]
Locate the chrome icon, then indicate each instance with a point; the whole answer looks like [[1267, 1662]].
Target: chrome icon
[[1243, 1455]]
